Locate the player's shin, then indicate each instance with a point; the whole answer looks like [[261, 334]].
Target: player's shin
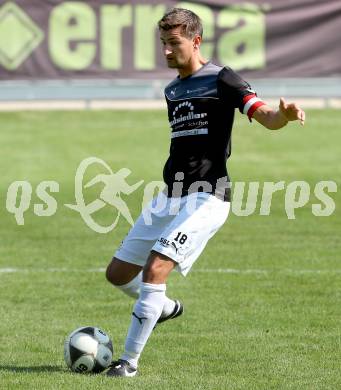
[[147, 310]]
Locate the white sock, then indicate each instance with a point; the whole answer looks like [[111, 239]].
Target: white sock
[[132, 289], [168, 307], [147, 311]]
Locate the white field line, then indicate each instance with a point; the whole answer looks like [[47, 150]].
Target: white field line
[[199, 270]]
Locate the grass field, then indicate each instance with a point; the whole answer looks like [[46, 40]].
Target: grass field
[[263, 303]]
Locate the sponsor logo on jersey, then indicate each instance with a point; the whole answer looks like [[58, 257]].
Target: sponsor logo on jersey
[[180, 110], [197, 90]]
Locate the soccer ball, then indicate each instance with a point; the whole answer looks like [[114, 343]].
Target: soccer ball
[[88, 349]]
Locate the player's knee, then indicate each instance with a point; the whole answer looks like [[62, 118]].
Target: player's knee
[[119, 272], [110, 274]]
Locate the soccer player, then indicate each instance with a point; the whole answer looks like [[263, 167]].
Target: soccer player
[[201, 103]]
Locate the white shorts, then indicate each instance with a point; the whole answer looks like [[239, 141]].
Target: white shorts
[[179, 228]]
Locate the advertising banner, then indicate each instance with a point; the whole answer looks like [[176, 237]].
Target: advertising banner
[[50, 39]]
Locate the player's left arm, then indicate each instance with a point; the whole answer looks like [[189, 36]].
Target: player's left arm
[[274, 120]]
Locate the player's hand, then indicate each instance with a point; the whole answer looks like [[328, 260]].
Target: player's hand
[[291, 111]]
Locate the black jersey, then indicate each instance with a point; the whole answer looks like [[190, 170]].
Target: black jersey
[[201, 113]]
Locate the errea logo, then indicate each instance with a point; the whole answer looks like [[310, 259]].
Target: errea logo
[[19, 36]]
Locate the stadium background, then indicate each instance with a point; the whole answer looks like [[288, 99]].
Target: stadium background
[[80, 79], [58, 51]]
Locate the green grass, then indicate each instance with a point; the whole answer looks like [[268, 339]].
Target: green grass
[[274, 323]]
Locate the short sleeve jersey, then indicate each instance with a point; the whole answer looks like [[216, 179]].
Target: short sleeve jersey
[[201, 112]]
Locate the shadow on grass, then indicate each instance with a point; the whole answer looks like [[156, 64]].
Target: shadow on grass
[[32, 369]]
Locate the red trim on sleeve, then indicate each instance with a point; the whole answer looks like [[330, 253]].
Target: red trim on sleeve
[[248, 97], [253, 108]]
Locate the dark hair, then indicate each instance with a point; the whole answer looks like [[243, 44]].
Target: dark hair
[[190, 22]]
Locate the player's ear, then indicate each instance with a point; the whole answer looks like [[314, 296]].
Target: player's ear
[[197, 41]]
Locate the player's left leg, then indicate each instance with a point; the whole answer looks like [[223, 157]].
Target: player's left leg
[[146, 313]]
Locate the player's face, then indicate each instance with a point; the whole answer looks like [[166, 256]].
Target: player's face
[[177, 48]]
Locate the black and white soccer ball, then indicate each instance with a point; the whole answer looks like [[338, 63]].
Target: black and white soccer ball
[[88, 349]]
